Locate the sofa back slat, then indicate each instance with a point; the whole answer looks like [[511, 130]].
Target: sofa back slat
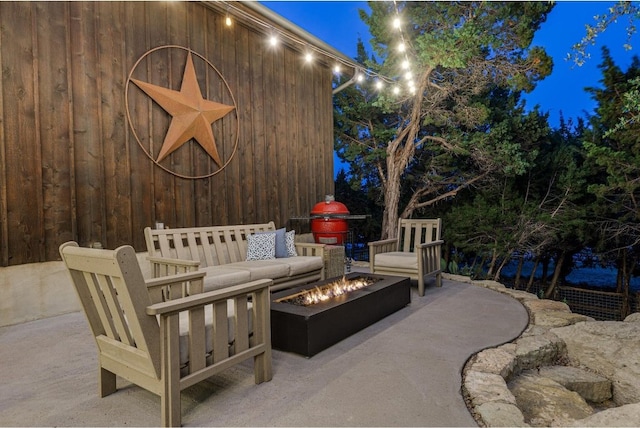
[[176, 241], [231, 242], [217, 244], [240, 241], [165, 246], [192, 242], [200, 248]]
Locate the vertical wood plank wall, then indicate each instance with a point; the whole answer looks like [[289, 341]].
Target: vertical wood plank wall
[[70, 168]]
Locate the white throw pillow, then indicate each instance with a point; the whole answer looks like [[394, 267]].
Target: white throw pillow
[[290, 240], [262, 246]]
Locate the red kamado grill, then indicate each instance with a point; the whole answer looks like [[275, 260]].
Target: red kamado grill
[[329, 222]]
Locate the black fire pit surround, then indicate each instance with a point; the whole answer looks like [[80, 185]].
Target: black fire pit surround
[[307, 330]]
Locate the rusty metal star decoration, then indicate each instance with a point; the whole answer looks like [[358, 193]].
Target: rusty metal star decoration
[[192, 115]]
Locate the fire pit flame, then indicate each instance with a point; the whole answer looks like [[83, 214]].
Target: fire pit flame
[[328, 291]]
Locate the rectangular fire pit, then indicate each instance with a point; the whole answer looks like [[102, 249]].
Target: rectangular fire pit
[[307, 330]]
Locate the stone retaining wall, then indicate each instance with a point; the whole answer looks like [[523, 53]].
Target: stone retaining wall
[[538, 379]]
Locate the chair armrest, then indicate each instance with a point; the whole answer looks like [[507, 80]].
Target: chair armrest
[[382, 246], [383, 242], [168, 260], [203, 299], [173, 287], [429, 244], [173, 279], [310, 249], [164, 266]]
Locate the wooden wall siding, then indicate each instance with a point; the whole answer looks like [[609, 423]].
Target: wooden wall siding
[[72, 169]]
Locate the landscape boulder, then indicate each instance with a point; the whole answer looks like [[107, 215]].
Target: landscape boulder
[[609, 348], [590, 386], [623, 416], [544, 402]]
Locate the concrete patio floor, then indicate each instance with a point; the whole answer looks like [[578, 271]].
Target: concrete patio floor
[[405, 370]]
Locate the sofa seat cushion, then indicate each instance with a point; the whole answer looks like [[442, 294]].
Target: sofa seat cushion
[[218, 277], [303, 264], [208, 322], [397, 260], [262, 269]]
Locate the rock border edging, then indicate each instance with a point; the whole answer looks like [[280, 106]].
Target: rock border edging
[[485, 374]]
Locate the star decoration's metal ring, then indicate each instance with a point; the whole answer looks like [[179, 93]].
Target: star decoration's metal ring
[[135, 134]]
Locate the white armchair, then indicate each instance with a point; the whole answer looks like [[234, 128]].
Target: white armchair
[[414, 253], [165, 334]]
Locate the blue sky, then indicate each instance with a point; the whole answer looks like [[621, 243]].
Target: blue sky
[[338, 24], [563, 91]]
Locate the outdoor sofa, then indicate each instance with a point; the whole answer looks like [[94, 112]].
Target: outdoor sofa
[[231, 255]]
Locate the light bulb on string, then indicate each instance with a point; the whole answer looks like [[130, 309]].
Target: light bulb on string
[[228, 21], [337, 69], [402, 47], [308, 57], [273, 40], [405, 64], [396, 22], [396, 90], [379, 84], [359, 77]]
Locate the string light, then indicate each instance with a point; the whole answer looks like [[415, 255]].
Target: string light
[[276, 36], [403, 48]]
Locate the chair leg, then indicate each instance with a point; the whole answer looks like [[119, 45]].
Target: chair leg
[[439, 280], [170, 369], [107, 382], [262, 367], [170, 407], [421, 285]]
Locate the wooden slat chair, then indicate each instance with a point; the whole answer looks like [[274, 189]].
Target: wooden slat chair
[[414, 253], [138, 329]]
